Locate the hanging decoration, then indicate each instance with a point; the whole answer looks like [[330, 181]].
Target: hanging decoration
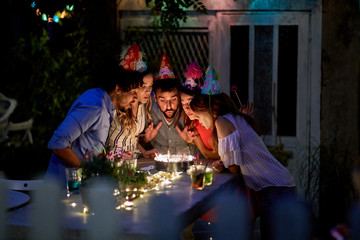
[[46, 17]]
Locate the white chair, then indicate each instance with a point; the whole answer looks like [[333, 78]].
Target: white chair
[[7, 107], [20, 126]]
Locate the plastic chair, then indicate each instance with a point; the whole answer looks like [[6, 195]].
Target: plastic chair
[[21, 126], [7, 107]]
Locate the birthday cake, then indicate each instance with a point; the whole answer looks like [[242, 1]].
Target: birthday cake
[[173, 163]]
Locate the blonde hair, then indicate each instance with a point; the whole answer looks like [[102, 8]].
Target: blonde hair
[[126, 120], [148, 114]]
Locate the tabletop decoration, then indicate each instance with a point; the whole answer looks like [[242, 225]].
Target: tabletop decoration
[[102, 165], [129, 182]]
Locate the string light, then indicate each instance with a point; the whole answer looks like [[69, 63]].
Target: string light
[[126, 197], [53, 18]]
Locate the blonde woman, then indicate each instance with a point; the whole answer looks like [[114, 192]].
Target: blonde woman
[[124, 133]]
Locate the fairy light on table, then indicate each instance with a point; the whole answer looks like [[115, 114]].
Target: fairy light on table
[[155, 182]]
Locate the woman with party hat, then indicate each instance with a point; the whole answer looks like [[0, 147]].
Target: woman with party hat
[[194, 132], [128, 125], [237, 140]]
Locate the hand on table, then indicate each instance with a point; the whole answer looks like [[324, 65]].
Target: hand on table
[[218, 166], [127, 155], [150, 153]]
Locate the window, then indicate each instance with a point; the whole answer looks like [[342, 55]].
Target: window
[[265, 88]]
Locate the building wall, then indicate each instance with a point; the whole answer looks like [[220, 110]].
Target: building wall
[[340, 73], [339, 108], [221, 5]]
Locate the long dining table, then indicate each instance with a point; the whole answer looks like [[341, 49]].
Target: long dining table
[[189, 205]]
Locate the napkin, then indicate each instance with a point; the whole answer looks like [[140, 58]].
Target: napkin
[[147, 168]]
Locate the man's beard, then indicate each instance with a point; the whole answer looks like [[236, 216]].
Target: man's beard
[[172, 115]]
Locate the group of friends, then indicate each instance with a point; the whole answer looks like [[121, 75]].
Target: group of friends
[[141, 114]]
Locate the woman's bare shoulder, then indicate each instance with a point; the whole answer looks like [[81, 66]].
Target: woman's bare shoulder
[[224, 127]]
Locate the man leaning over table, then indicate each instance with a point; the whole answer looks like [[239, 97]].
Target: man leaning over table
[[87, 123], [166, 112]]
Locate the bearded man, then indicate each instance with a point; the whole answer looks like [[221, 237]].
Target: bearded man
[[166, 112]]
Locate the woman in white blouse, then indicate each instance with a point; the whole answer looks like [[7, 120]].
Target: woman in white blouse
[[237, 139]]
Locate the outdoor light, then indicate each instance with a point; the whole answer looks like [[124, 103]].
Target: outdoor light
[[56, 18], [63, 14], [44, 17], [70, 8]]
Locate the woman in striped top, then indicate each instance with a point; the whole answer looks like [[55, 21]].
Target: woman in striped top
[[127, 126], [236, 137]]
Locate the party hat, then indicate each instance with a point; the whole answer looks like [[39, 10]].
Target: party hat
[[211, 85], [192, 72], [165, 71], [131, 59]]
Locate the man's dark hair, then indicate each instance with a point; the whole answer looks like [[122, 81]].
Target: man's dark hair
[[167, 85], [114, 75]]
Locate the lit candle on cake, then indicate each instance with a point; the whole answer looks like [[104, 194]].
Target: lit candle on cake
[[173, 163]]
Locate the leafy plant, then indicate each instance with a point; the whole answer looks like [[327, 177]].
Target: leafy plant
[[172, 12], [107, 164], [310, 175], [280, 153], [51, 78], [326, 180], [129, 175]]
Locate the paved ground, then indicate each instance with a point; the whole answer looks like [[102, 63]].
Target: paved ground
[[204, 230]]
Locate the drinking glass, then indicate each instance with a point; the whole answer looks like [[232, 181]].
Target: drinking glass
[[73, 180], [208, 176], [132, 162], [197, 173]]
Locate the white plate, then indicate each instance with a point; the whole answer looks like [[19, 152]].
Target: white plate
[[17, 199]]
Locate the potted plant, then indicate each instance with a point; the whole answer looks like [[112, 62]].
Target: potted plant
[[108, 166]]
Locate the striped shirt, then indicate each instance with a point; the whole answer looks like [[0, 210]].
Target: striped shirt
[[125, 139], [245, 148]]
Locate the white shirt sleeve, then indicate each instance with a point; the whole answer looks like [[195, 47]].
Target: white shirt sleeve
[[229, 150]]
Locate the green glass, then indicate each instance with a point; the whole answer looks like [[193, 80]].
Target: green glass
[[197, 177], [208, 177]]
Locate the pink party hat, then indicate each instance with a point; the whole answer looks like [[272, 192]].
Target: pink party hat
[[165, 71], [211, 85], [131, 59], [192, 72]]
